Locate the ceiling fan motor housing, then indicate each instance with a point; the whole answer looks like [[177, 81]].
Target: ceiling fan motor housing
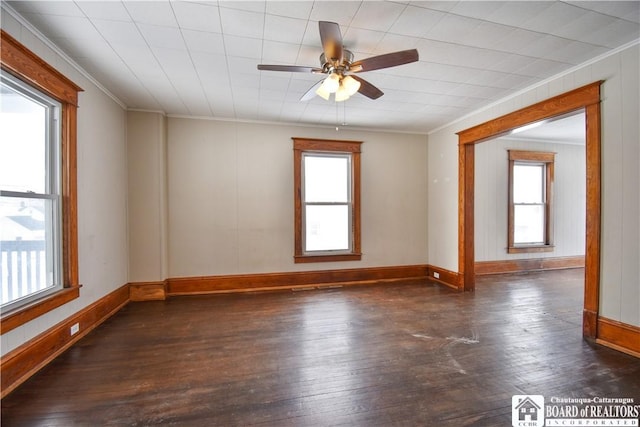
[[340, 66]]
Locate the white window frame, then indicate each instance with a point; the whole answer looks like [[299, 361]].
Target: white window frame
[[348, 203], [52, 193]]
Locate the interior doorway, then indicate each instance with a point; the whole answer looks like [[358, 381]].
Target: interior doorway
[[530, 198], [587, 98]]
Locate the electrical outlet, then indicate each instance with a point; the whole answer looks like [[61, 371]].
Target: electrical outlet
[[436, 275], [74, 328]]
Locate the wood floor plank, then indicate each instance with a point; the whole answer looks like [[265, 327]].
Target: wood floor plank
[[413, 353]]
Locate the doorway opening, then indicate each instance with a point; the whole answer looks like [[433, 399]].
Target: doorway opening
[[586, 98]]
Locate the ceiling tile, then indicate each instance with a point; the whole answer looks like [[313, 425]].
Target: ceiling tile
[[157, 36], [152, 12], [377, 16], [283, 29], [341, 12], [416, 21], [197, 16], [244, 47], [111, 10], [119, 32], [200, 41], [278, 53], [242, 23], [290, 9]]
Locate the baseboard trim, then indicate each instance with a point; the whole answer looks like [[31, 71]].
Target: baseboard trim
[[619, 336], [531, 264], [148, 291], [20, 364], [292, 280], [443, 276]]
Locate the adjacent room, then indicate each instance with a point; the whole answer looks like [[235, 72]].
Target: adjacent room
[[319, 213]]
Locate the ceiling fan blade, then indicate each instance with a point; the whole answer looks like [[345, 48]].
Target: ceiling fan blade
[[290, 68], [311, 93], [331, 40], [367, 89], [385, 61]]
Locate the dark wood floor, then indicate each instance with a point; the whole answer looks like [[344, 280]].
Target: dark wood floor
[[412, 354]]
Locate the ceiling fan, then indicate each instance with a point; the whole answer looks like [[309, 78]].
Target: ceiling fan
[[337, 62]]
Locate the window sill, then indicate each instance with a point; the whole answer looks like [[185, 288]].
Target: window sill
[[530, 249], [29, 312], [300, 259]]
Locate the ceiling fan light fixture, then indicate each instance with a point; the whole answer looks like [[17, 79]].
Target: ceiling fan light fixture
[[332, 83], [342, 94], [350, 84], [323, 92]]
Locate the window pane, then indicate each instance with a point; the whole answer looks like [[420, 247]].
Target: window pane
[[22, 143], [27, 257], [327, 228], [528, 224], [326, 179], [528, 183]]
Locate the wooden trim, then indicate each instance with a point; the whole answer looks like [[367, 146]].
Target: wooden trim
[[620, 336], [27, 313], [292, 280], [301, 259], [148, 291], [593, 217], [329, 145], [587, 97], [446, 277], [536, 157], [20, 364], [549, 108], [28, 67], [518, 265], [301, 145], [466, 231]]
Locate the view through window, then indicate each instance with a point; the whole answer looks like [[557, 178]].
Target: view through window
[[30, 211]]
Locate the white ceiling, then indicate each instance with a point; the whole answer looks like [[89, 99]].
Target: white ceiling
[[199, 58]]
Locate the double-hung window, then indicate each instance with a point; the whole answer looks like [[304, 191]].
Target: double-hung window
[[30, 193], [327, 200], [530, 201], [38, 207]]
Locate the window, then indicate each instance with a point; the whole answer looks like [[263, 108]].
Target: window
[[30, 213], [530, 201], [38, 214], [327, 200]]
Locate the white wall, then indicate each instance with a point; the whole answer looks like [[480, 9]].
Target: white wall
[[230, 192], [491, 199], [620, 284], [102, 187]]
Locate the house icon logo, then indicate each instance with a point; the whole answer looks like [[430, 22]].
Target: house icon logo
[[527, 411]]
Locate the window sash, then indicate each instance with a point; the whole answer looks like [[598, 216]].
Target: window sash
[[32, 268], [316, 233], [302, 146], [530, 225]]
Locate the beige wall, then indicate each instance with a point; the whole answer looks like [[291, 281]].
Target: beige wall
[[147, 202], [491, 199], [620, 286], [102, 189], [230, 192]]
